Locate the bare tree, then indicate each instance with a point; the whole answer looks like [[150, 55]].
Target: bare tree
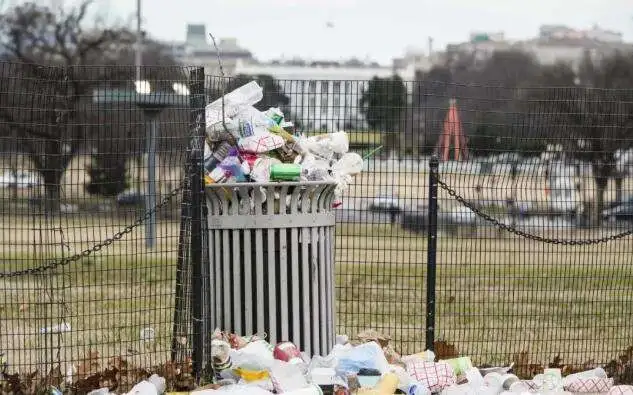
[[591, 113], [47, 89]]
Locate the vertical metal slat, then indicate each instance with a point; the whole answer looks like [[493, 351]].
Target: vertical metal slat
[[283, 271]]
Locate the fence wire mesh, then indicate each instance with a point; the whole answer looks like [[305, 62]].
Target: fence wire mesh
[[533, 215], [79, 200], [516, 160]]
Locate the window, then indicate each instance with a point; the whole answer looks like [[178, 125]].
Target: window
[[312, 87], [312, 102], [325, 85], [336, 87], [324, 106]]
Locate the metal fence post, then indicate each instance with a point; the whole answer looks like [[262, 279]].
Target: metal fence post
[[197, 199], [431, 260]]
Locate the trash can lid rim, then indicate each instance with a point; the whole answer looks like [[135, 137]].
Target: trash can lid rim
[[267, 184]]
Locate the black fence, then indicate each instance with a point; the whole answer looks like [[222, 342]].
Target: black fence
[[97, 203], [529, 260]]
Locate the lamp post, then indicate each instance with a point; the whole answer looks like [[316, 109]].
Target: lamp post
[[152, 103]]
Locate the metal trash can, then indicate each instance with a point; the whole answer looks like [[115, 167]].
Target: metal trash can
[[271, 248]]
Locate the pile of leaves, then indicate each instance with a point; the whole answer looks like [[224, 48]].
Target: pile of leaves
[[118, 375]]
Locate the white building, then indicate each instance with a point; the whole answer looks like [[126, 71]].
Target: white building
[[555, 43], [198, 50], [324, 95], [563, 44], [480, 44]]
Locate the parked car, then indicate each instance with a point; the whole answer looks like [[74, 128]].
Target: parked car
[[386, 204], [619, 212], [19, 179], [130, 197]]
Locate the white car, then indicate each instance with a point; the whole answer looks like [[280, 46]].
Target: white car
[[19, 179], [385, 203]]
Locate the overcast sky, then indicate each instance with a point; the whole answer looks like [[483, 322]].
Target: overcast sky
[[380, 29]]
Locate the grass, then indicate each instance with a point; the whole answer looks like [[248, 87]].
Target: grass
[[496, 295]]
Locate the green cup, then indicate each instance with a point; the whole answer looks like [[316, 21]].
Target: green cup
[[285, 172], [459, 365]]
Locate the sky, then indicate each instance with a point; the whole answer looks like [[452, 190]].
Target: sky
[[376, 29]]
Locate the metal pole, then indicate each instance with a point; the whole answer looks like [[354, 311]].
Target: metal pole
[[431, 257], [197, 303], [199, 293], [138, 58], [150, 195], [138, 61]]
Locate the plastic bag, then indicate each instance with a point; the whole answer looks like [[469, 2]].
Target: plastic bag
[[287, 377], [365, 356]]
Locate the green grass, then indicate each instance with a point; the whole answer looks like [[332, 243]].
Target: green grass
[[495, 296]]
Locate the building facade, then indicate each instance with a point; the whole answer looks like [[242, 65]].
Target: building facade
[[197, 50], [324, 95]]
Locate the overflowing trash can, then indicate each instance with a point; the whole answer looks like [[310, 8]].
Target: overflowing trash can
[[271, 193], [271, 249]]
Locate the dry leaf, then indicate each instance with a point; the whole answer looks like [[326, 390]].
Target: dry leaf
[[523, 368], [444, 350]]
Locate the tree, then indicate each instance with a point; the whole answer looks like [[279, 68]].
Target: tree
[[108, 174], [594, 117], [48, 105], [383, 103], [56, 65]]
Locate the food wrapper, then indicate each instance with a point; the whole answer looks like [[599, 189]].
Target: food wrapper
[[434, 375], [261, 143], [590, 385], [621, 390]]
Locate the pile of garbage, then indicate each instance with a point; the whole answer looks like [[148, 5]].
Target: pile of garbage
[[244, 144], [252, 366]]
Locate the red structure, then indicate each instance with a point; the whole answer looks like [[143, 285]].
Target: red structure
[[452, 131]]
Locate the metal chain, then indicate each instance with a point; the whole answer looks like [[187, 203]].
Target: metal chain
[[97, 247], [518, 232]]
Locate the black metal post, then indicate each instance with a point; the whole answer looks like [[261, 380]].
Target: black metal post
[[181, 324], [197, 199], [431, 257]]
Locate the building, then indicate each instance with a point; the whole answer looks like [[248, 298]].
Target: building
[[481, 45], [554, 43], [198, 50], [324, 94], [557, 43]]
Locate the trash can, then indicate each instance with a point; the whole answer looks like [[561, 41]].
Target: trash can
[[271, 248]]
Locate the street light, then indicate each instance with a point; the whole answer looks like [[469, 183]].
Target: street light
[[152, 102]]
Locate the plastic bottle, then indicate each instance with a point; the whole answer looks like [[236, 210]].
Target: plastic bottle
[[213, 158], [233, 166], [246, 95]]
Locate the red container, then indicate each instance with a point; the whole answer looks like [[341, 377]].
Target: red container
[[288, 352]]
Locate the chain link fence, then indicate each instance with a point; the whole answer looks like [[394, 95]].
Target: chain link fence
[[93, 170], [534, 215], [530, 259]]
